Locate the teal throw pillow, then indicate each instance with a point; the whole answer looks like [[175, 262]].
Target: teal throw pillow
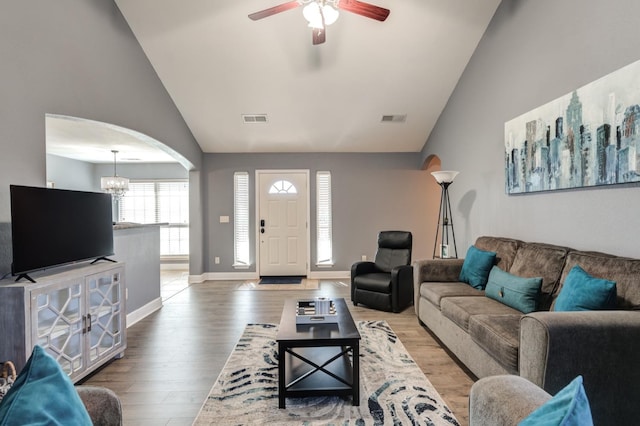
[[43, 394], [582, 292], [476, 267], [520, 293], [569, 407]]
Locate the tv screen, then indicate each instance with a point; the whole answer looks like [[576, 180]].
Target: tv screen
[[52, 227]]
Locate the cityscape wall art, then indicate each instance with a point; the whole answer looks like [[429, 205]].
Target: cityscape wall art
[[589, 137]]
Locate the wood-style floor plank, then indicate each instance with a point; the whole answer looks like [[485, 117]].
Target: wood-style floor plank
[[174, 356]]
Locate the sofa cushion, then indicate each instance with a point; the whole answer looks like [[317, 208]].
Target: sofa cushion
[[582, 292], [541, 260], [460, 309], [43, 394], [499, 336], [435, 291], [569, 407], [505, 249], [520, 293], [624, 271], [476, 267]]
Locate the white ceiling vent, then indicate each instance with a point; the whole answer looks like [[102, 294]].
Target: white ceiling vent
[[398, 118], [254, 118]]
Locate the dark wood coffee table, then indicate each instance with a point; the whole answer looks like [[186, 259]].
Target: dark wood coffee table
[[318, 359]]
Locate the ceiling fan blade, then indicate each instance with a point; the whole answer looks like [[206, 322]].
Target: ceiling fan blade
[[319, 36], [364, 9], [273, 10]]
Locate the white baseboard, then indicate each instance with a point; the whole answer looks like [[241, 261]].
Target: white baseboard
[[144, 311], [230, 276], [194, 279]]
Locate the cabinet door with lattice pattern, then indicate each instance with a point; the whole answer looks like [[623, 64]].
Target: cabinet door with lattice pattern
[[106, 314], [59, 322]]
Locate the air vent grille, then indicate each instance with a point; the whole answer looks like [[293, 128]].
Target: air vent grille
[[254, 118], [397, 118]]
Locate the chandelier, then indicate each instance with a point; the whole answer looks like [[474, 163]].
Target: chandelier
[[320, 13], [114, 185]]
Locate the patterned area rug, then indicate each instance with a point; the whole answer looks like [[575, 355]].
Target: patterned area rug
[[393, 391]]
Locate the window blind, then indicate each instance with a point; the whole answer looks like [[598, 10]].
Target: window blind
[[241, 219], [324, 219], [160, 201]]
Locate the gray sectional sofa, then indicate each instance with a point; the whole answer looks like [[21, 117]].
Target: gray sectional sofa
[[546, 347]]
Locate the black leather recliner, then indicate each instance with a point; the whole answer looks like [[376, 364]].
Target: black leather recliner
[[387, 283]]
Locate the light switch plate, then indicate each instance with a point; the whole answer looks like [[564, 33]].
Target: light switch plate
[[224, 219]]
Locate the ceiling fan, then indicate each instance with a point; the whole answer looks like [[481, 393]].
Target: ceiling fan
[[321, 13]]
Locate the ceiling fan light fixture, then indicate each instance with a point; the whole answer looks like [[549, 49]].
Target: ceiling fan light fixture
[[330, 14], [314, 13], [322, 13]]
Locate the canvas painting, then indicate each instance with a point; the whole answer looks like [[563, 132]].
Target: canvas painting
[[589, 137]]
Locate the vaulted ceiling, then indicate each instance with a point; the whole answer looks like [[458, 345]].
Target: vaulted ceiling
[[218, 65]]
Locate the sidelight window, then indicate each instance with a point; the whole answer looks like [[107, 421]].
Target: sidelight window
[[241, 220], [324, 219]]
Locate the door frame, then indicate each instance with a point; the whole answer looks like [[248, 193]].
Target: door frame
[[257, 213]]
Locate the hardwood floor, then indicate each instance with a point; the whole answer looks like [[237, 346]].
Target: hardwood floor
[[175, 355]]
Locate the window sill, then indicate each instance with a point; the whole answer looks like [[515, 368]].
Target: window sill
[[325, 265], [240, 266]]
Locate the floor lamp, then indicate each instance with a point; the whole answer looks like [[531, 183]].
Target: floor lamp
[[445, 219]]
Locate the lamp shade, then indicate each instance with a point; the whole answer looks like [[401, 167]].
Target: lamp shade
[[445, 176]]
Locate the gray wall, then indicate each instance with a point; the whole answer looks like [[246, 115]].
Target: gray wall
[[370, 193], [135, 247], [76, 58], [532, 53], [66, 173]]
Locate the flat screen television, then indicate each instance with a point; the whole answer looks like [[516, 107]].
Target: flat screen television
[[53, 227]]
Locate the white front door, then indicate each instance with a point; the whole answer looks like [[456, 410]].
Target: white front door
[[282, 222]]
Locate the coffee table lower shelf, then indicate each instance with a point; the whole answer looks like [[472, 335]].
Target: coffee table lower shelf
[[318, 370]]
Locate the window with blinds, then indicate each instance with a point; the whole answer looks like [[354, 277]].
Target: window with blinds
[[241, 220], [324, 220], [160, 201]]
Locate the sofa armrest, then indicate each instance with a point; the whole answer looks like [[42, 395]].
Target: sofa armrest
[[602, 346], [503, 400], [440, 270], [102, 404], [364, 267]]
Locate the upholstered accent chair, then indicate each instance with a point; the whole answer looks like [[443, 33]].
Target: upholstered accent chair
[[387, 283]]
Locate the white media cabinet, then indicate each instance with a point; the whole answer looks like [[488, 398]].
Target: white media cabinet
[[77, 313]]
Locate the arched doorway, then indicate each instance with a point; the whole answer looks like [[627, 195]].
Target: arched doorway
[[79, 153]]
